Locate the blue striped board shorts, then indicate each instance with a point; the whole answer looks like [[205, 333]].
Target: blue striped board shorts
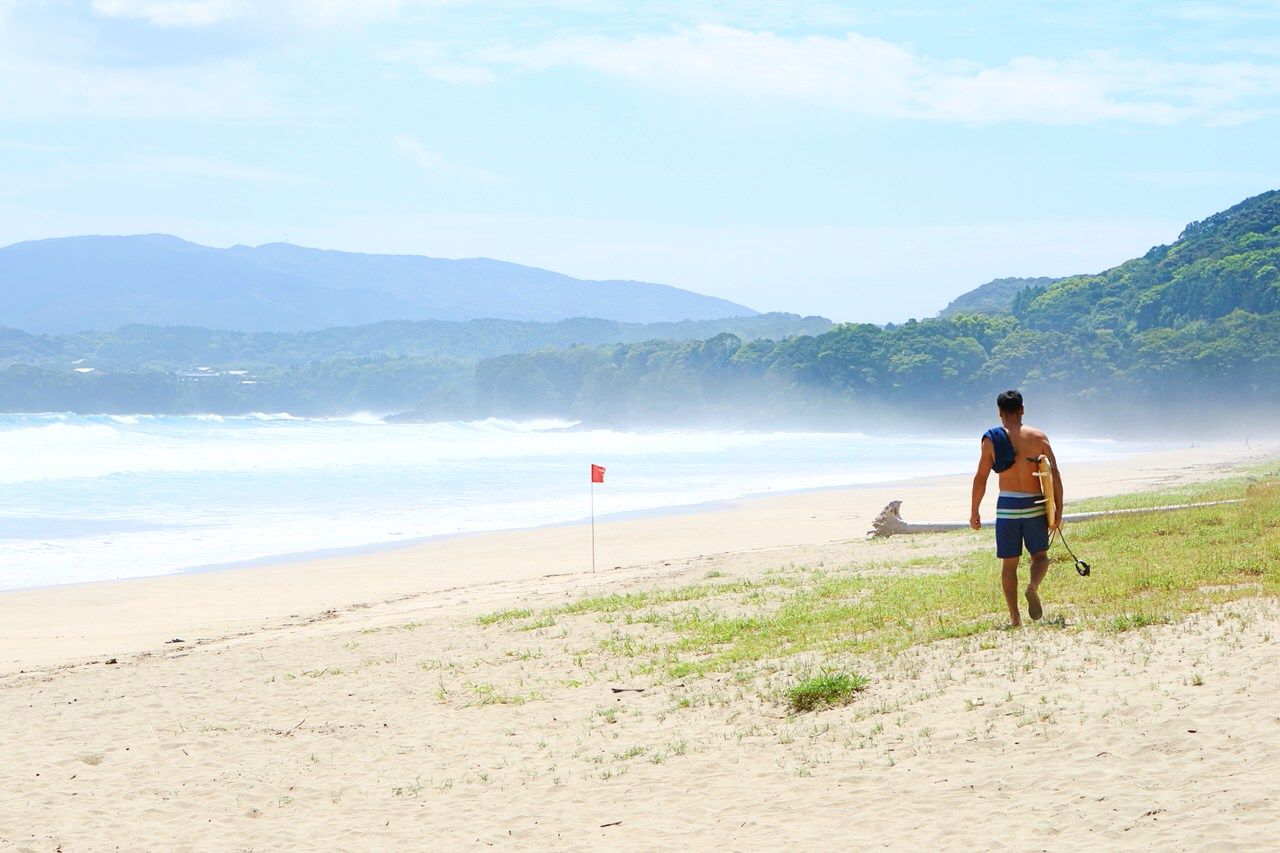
[[1020, 518]]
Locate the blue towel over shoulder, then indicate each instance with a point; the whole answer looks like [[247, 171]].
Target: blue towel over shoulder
[[1005, 453]]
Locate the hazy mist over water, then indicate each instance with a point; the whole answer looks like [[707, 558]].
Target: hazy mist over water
[[86, 498]]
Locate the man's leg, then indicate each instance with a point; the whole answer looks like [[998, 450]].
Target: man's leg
[[1009, 583], [1036, 534], [1039, 568]]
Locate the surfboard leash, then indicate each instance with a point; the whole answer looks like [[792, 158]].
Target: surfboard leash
[[1082, 568]]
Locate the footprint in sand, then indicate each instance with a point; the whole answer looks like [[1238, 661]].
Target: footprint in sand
[[92, 760]]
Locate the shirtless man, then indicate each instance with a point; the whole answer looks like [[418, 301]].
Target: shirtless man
[[1013, 450]]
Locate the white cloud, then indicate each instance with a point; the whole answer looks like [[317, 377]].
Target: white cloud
[[37, 90], [173, 13], [430, 60], [458, 73], [37, 147], [876, 77], [201, 167], [288, 15], [335, 14], [1229, 12], [437, 165]]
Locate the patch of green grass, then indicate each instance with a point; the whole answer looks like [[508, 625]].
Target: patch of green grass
[[624, 646], [1226, 488], [1129, 621], [1147, 569], [504, 616], [825, 690], [632, 601], [1162, 566], [487, 694]]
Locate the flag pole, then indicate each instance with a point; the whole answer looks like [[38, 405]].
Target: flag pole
[[593, 525]]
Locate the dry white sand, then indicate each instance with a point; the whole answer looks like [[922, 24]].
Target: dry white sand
[[356, 703]]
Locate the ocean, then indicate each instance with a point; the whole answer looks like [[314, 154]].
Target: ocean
[[90, 498]]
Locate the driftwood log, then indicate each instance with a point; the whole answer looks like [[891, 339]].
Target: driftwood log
[[890, 523]]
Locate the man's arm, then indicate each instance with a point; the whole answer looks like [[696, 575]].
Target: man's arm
[[986, 461], [1056, 521]]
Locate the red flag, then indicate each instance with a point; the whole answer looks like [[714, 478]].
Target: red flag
[[597, 473]]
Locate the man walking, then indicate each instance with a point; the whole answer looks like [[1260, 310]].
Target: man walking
[[1013, 451]]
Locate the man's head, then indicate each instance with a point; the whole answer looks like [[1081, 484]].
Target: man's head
[[1009, 403]]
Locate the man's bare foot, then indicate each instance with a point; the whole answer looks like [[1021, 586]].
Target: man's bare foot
[[1034, 610]]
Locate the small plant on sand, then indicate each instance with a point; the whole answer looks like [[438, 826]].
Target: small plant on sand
[[1129, 621], [504, 616], [825, 690], [413, 789], [487, 694]]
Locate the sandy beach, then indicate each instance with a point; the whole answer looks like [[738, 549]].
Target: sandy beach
[[368, 702]]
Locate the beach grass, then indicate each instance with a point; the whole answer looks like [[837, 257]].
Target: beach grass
[[1224, 488], [775, 630], [1147, 570], [825, 690]]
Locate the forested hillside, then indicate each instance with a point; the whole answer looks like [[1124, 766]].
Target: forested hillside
[[1197, 323], [138, 347]]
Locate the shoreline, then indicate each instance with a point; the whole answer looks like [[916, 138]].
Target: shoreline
[[289, 558], [656, 512], [59, 625]]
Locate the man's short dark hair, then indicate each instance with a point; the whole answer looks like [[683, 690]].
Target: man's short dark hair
[[1010, 402]]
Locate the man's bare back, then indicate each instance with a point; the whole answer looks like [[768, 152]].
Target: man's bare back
[[1029, 444]]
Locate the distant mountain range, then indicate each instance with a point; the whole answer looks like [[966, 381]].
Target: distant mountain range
[[95, 283]]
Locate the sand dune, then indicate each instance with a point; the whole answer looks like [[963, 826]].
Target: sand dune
[[361, 703]]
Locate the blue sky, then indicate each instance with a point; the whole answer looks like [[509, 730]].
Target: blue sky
[[864, 161]]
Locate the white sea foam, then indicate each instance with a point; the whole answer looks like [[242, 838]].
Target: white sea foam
[[360, 418], [271, 416]]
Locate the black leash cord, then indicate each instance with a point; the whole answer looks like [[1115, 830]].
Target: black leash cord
[[1082, 568]]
